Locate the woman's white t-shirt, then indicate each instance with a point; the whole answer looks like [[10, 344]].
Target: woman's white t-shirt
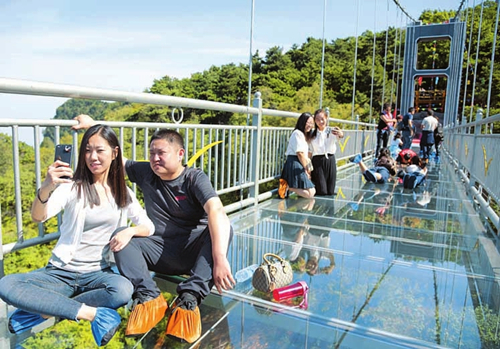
[[297, 143]]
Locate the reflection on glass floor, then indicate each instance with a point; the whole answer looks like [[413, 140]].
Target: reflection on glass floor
[[386, 268], [403, 268]]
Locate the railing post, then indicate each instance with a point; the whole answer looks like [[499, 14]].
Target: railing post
[[477, 132], [4, 330], [256, 146]]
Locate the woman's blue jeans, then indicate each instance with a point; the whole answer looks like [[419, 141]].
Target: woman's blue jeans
[[61, 293]]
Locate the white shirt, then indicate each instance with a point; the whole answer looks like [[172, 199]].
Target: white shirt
[[73, 220], [429, 123], [297, 143], [324, 143]]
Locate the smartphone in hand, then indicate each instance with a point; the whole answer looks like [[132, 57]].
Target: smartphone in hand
[[64, 153]]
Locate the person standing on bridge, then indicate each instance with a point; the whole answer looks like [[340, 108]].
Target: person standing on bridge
[[323, 147], [429, 124], [384, 128], [192, 237], [408, 128], [296, 173], [78, 283]]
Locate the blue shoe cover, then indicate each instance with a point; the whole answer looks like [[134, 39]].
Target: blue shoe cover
[[354, 206], [356, 159], [105, 325], [22, 320]]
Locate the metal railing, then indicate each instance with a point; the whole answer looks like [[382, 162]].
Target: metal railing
[[240, 160], [473, 147]]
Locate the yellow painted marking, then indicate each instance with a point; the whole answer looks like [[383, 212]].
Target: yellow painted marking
[[342, 146], [200, 152], [486, 162], [340, 193], [366, 140]]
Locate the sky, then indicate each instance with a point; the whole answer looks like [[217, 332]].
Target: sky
[[125, 45]]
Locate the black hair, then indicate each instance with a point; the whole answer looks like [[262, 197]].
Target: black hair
[[116, 175], [301, 125], [384, 152], [169, 135], [316, 113]]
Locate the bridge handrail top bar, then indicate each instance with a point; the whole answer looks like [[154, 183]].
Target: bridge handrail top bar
[[488, 120], [130, 124], [36, 88], [17, 86]]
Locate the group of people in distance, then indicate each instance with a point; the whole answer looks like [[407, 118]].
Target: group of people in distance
[[310, 168], [183, 230], [403, 163]]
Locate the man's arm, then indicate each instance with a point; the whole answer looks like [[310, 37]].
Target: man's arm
[[386, 118], [220, 230], [84, 123]]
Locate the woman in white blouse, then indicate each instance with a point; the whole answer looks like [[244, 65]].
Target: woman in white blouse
[[78, 282], [296, 174], [323, 147]]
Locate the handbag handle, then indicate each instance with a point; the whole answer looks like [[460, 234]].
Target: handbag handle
[[272, 255]]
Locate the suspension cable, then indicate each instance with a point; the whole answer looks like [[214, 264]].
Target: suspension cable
[[385, 55], [394, 65], [477, 56], [459, 9], [492, 67], [322, 58], [403, 10], [399, 59], [373, 59], [464, 117], [355, 62]]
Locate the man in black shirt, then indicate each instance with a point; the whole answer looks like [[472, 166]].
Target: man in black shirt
[[408, 130], [384, 128]]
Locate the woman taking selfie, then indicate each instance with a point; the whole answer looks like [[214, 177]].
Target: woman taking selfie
[[78, 283]]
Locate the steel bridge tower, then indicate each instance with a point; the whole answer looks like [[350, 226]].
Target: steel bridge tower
[[415, 33]]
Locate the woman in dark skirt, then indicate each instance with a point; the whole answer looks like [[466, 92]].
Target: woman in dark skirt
[[323, 148], [296, 174]]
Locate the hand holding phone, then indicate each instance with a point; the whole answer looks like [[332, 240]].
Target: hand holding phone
[[64, 153]]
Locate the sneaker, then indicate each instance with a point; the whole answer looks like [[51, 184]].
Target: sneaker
[[438, 160], [146, 313], [184, 324], [400, 173], [22, 320], [105, 325], [283, 189], [356, 159]]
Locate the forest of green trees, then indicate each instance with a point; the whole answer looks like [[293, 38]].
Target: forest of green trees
[[288, 80]]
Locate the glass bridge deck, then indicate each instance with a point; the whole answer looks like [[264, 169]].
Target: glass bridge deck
[[386, 268]]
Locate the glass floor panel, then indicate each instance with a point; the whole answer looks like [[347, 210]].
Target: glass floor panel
[[386, 267]]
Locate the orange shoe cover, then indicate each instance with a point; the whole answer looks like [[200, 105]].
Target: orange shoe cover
[[282, 188], [146, 315], [184, 325]]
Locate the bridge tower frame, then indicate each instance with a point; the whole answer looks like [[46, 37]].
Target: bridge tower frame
[[455, 32]]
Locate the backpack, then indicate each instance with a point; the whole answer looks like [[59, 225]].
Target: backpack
[[438, 133]]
